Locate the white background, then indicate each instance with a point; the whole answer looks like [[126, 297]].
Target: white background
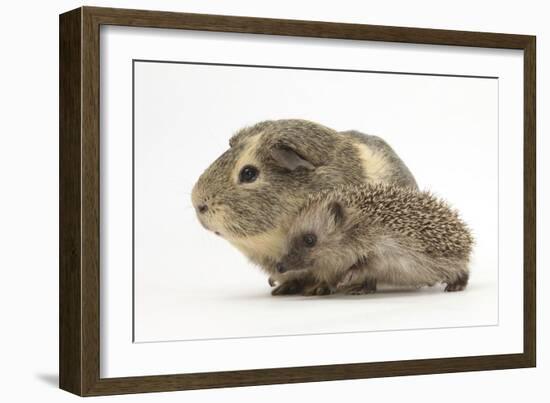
[[445, 128], [30, 184]]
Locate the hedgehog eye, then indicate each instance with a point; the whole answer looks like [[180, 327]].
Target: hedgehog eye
[[248, 174], [309, 240]]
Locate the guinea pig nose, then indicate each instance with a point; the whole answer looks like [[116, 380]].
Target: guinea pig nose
[[280, 267], [203, 208]]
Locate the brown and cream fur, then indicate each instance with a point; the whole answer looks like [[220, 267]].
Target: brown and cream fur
[[294, 158], [369, 234]]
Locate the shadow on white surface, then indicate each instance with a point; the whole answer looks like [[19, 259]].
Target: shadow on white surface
[[49, 379], [232, 312]]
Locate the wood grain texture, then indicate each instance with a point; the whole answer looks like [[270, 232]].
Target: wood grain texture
[[318, 29], [90, 201], [79, 200], [530, 202], [70, 271]]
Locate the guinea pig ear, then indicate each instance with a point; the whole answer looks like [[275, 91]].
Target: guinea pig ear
[[288, 158], [336, 210]]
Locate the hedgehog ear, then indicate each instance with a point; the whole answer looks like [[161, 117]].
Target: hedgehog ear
[[287, 157], [336, 210]]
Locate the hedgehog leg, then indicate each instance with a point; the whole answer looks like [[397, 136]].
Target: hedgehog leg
[[317, 289], [368, 286], [287, 288], [292, 286], [353, 276], [459, 284]]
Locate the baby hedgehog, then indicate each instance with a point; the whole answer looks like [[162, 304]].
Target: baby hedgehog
[[353, 237]]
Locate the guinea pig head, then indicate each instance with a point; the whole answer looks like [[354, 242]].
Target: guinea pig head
[[260, 180]]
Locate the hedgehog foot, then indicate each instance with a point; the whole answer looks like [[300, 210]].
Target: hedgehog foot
[[458, 285], [317, 289], [454, 287], [290, 287], [367, 287]]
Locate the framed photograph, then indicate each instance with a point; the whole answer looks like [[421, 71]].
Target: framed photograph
[[248, 201]]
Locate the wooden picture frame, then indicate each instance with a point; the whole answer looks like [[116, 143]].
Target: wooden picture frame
[[79, 281]]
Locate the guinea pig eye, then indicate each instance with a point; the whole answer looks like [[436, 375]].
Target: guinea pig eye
[[248, 174], [309, 240]]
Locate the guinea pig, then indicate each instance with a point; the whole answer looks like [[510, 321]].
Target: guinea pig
[[352, 237], [250, 194]]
